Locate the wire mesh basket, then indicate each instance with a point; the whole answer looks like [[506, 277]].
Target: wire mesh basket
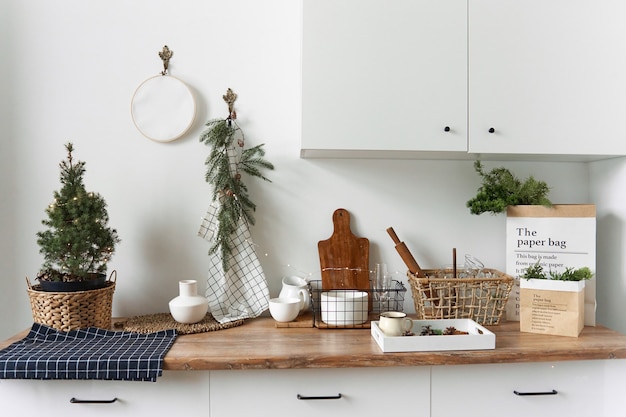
[[480, 299], [353, 309]]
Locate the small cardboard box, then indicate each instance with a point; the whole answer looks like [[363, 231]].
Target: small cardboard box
[[552, 307], [479, 338]]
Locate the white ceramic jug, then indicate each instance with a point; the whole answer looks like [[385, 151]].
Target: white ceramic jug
[[188, 307], [296, 287]]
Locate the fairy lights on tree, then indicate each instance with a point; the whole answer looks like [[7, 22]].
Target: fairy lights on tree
[[78, 241]]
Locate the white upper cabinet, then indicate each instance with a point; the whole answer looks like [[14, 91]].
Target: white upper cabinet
[[384, 76], [430, 79], [549, 77]]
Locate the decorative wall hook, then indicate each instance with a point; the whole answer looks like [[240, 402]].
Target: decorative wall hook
[[230, 98], [165, 55]]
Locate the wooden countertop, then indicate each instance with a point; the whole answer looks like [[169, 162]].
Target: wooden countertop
[[258, 344]]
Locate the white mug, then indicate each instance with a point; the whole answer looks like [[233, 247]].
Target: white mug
[[395, 323], [296, 287]]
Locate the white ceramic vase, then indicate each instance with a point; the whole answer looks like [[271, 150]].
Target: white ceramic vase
[[188, 307]]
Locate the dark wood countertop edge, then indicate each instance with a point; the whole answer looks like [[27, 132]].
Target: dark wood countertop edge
[[388, 360]]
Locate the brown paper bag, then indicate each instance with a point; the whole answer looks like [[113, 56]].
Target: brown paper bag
[[559, 237], [552, 307]]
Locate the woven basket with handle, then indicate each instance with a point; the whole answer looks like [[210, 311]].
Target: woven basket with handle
[[480, 299], [67, 311]]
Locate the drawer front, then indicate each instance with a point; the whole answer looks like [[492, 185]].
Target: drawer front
[[323, 392], [173, 392], [543, 389]]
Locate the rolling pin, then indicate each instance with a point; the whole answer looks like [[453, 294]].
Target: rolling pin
[[405, 254]]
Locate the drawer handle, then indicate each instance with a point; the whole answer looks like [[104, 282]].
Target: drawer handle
[[521, 394], [323, 397], [77, 401]]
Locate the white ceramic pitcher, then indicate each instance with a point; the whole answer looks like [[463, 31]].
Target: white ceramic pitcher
[[296, 287]]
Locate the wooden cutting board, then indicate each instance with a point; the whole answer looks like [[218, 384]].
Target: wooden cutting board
[[344, 258]]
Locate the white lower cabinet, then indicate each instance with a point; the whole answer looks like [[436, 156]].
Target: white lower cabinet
[[321, 392], [572, 389], [175, 393]]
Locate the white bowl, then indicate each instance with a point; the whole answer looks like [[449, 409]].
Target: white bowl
[[285, 309], [344, 307]]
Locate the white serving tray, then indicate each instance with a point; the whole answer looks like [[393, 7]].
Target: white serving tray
[[472, 341]]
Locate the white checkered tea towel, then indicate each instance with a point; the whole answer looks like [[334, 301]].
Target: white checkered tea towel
[[242, 291]]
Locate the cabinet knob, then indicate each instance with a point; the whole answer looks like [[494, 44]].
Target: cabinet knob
[[491, 130], [446, 129]]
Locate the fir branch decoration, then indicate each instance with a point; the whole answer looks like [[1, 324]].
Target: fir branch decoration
[[226, 162], [500, 188]]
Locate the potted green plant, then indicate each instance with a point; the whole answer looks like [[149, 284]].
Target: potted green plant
[[501, 189], [78, 243], [553, 302]]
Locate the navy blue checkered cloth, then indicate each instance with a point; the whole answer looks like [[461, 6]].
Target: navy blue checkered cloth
[[92, 353]]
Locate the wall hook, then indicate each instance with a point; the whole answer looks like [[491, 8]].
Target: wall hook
[[165, 55], [230, 98]]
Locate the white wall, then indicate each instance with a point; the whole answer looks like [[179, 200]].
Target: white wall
[[69, 70], [607, 179]]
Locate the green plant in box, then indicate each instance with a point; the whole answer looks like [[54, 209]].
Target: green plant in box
[[536, 271]]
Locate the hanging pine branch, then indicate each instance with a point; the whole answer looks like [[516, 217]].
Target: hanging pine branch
[[226, 162]]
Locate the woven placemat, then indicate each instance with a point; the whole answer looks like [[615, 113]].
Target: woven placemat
[[163, 321]]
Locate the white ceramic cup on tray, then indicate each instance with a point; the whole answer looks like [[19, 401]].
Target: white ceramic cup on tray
[[394, 323]]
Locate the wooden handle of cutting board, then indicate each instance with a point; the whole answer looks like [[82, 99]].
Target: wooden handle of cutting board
[[405, 254]]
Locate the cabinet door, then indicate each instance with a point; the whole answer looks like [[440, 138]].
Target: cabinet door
[[364, 392], [547, 76], [482, 390], [384, 75], [175, 393]]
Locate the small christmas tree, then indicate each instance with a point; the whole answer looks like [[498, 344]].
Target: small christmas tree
[[78, 243]]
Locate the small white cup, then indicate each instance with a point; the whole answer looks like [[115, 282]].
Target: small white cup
[[284, 309], [394, 323]]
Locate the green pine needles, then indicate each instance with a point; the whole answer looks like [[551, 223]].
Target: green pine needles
[[500, 189], [226, 162], [78, 241], [569, 274]]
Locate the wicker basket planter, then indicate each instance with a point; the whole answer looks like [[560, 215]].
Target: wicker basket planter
[[480, 299], [67, 311]]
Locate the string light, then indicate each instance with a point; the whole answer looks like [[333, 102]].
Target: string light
[[343, 269]]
